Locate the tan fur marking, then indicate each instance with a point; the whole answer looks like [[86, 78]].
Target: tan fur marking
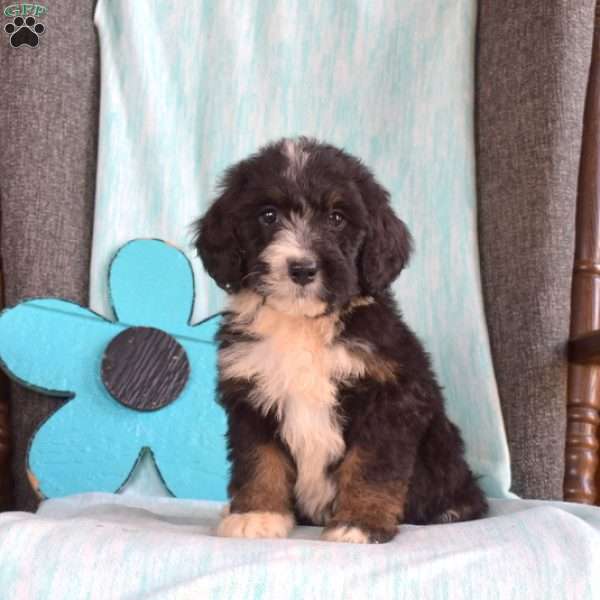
[[375, 505], [358, 302], [35, 484], [270, 487], [376, 367]]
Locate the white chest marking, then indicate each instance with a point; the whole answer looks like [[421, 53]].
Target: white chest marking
[[296, 367]]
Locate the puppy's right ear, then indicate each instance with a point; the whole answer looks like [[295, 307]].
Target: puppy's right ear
[[218, 247]]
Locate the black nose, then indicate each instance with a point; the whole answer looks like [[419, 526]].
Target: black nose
[[302, 271]]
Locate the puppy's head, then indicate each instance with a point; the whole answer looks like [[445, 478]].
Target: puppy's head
[[306, 226]]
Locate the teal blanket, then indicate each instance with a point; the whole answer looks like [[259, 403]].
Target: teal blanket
[[114, 547], [187, 89]]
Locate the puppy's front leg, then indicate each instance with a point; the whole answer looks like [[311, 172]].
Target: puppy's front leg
[[261, 490], [366, 510]]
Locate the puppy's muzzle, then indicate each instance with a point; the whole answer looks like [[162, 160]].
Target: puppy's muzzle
[[302, 272]]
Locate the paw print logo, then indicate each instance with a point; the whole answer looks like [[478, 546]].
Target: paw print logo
[[24, 32]]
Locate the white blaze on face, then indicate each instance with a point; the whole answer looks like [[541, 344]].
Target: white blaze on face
[[297, 157], [291, 243]]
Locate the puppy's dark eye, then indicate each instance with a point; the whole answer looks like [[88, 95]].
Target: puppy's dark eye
[[337, 219], [268, 215]]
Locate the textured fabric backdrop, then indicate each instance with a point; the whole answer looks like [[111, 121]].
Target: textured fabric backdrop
[[188, 90]]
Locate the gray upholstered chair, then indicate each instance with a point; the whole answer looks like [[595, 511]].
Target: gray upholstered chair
[[538, 149], [533, 71]]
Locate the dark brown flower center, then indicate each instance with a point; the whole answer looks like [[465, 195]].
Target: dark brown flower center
[[145, 368]]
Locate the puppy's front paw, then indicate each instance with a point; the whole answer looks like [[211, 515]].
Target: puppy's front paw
[[357, 534], [256, 524]]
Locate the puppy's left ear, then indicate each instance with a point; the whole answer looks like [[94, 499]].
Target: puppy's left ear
[[388, 243]]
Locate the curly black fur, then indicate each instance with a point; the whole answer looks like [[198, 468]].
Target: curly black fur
[[390, 411]]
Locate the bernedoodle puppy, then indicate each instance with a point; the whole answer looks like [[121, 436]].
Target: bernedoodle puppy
[[335, 417]]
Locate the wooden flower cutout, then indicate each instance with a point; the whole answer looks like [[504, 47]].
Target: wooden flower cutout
[[144, 381]]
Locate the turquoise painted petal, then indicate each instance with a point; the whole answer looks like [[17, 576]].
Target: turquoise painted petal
[[192, 459], [80, 449], [53, 345], [193, 462], [203, 332], [151, 283]]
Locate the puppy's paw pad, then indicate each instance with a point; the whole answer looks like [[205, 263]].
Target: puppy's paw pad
[[345, 533], [256, 525]]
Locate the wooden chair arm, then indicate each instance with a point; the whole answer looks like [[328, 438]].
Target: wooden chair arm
[[583, 405], [585, 349]]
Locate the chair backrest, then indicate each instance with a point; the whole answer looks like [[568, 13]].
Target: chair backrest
[[518, 98], [533, 65]]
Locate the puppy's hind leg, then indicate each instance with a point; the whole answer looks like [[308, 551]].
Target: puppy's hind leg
[[469, 504]]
